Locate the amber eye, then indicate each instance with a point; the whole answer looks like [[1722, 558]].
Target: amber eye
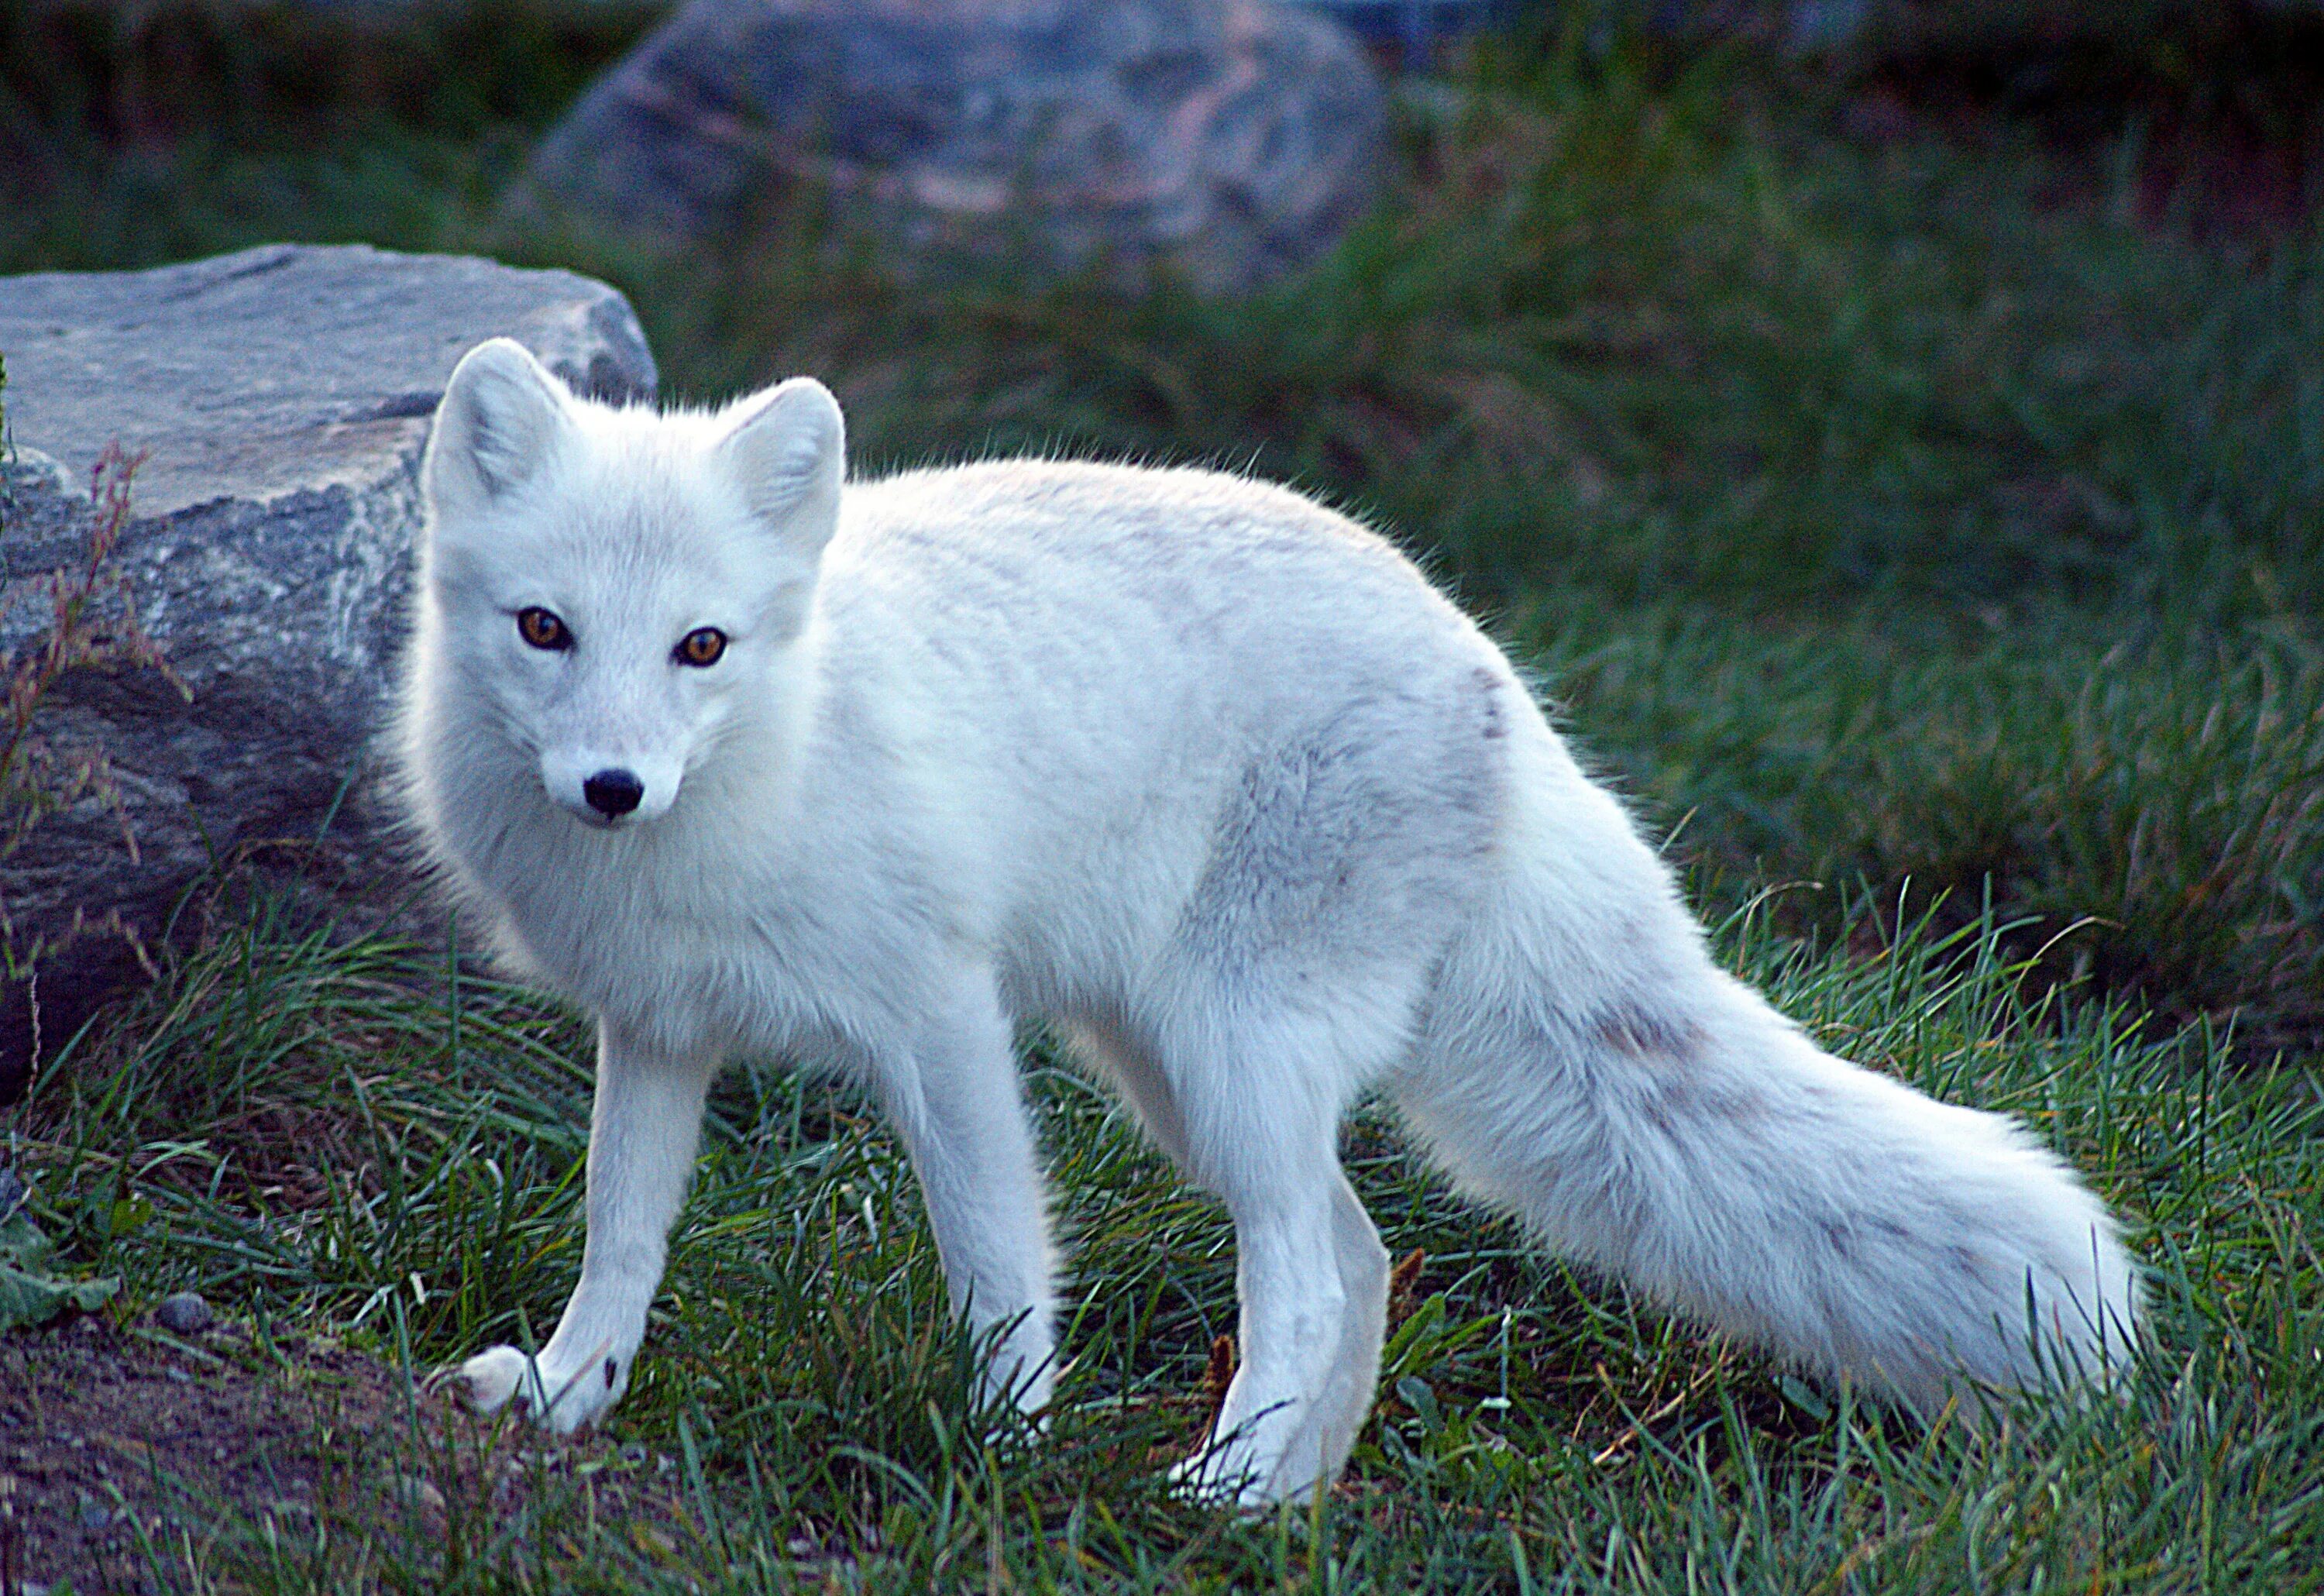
[[543, 629], [702, 646]]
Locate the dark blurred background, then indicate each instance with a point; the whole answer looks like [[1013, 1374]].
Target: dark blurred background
[[1896, 430]]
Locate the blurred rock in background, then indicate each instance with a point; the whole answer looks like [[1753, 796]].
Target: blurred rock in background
[[1227, 141]]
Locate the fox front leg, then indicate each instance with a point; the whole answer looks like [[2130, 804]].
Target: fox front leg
[[643, 1128], [954, 1096]]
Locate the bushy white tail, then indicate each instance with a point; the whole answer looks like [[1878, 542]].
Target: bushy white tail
[[1587, 1065]]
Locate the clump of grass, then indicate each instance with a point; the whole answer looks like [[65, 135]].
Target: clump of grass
[[91, 624]]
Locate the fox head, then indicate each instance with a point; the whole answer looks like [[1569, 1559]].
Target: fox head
[[613, 592]]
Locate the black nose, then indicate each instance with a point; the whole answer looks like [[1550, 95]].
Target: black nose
[[614, 793]]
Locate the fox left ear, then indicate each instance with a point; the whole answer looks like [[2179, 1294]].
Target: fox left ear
[[789, 452]]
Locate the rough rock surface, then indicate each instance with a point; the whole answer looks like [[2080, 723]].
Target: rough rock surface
[[284, 395], [1232, 139]]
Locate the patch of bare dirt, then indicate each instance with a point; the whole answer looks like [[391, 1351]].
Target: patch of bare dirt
[[130, 1459], [115, 1449]]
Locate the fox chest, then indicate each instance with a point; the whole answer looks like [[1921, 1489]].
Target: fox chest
[[685, 982], [762, 971]]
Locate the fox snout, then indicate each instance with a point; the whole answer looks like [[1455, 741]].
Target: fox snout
[[614, 793], [609, 790]]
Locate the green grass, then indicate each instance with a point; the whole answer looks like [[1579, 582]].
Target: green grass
[[326, 1137], [1928, 533]]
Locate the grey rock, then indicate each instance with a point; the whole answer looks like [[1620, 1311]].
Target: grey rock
[[283, 395], [1230, 140], [12, 1193], [184, 1312]]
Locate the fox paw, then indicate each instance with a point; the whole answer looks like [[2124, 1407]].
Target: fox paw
[[1248, 1473], [561, 1399], [1229, 1475]]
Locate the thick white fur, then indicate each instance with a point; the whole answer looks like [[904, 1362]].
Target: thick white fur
[[1211, 778]]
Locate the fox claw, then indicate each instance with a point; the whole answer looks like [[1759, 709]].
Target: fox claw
[[562, 1401]]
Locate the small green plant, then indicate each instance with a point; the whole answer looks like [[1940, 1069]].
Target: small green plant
[[92, 626], [30, 1290]]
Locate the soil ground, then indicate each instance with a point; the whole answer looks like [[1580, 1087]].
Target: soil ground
[[131, 1460]]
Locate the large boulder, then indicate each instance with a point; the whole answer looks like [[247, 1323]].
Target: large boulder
[[281, 396], [1230, 140]]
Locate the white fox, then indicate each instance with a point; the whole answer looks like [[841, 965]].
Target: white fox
[[749, 759]]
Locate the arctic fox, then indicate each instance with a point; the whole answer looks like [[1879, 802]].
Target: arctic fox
[[749, 760]]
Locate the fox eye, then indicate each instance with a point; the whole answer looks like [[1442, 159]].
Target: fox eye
[[701, 647], [543, 629]]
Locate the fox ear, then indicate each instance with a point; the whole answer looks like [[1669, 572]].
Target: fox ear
[[500, 418], [789, 452]]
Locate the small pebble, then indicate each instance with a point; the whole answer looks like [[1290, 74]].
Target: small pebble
[[94, 1517], [186, 1313]]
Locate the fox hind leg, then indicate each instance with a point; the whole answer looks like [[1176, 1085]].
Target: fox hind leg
[[1311, 1278], [1339, 870], [1241, 1119]]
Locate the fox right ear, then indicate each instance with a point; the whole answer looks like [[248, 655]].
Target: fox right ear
[[500, 419]]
